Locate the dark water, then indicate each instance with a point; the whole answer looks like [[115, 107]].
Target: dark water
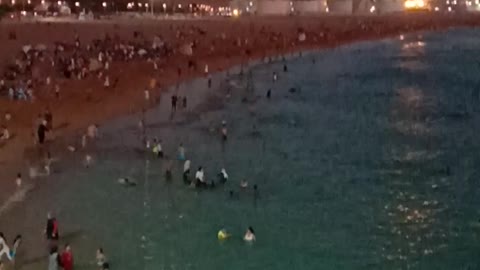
[[370, 162]]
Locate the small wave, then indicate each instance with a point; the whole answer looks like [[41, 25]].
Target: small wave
[[17, 197]]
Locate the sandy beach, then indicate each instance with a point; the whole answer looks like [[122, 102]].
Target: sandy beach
[[219, 43]]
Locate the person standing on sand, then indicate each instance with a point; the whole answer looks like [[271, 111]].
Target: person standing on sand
[[67, 258], [18, 180], [41, 132]]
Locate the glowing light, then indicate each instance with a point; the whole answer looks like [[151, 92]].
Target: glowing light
[[414, 4], [454, 2], [179, 5], [77, 4], [146, 5], [235, 12], [164, 6], [13, 2], [437, 8], [327, 10], [250, 3], [129, 5], [59, 3], [104, 4], [247, 9], [29, 2], [43, 2], [140, 4], [477, 2], [449, 9], [372, 9], [23, 12], [402, 37]]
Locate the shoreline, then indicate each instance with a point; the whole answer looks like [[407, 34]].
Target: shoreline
[[15, 159]]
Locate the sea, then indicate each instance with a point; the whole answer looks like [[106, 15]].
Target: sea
[[365, 156]]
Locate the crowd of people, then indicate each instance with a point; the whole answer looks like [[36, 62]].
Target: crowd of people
[[57, 259]]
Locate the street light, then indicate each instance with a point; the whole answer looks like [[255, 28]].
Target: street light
[[77, 4], [164, 5]]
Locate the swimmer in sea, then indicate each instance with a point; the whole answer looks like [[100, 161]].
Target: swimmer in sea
[[223, 235], [102, 260], [127, 182], [181, 152], [186, 171], [200, 178], [224, 131], [249, 235], [223, 176], [243, 184]]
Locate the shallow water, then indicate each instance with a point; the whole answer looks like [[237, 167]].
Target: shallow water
[[369, 164]]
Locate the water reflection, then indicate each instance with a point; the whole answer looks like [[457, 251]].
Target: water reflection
[[412, 228]]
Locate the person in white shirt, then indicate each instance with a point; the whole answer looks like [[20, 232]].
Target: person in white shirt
[[199, 178], [249, 235], [4, 249], [223, 176], [5, 134], [186, 171]]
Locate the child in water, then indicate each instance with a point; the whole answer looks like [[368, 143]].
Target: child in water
[[249, 235]]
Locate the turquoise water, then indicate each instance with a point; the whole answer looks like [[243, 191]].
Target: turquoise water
[[370, 164]]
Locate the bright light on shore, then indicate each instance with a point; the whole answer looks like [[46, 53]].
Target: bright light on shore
[[77, 4], [104, 4], [414, 4], [372, 9], [235, 12]]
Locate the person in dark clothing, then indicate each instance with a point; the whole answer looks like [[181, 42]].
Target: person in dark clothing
[[51, 230], [285, 68], [174, 102], [269, 93], [41, 131]]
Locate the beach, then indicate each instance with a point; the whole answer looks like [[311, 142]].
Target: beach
[[79, 108]]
